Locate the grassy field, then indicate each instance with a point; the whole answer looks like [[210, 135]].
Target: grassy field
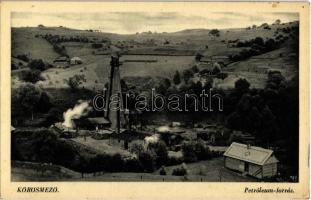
[[205, 171], [104, 146], [96, 69], [186, 42]]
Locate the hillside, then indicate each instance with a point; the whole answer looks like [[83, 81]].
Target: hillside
[[169, 52]]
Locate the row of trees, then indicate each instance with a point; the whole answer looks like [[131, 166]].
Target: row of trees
[[270, 114], [33, 75], [257, 46], [29, 98]]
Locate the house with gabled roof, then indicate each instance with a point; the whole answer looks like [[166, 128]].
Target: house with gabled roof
[[251, 160]]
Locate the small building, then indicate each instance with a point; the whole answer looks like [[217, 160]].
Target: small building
[[61, 62], [75, 61], [91, 123], [251, 160], [99, 122], [62, 59]]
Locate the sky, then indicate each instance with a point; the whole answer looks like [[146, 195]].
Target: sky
[[132, 22]]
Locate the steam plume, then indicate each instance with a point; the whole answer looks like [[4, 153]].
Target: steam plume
[[151, 140], [81, 109]]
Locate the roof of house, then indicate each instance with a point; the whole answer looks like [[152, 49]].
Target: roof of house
[[98, 120], [251, 154], [61, 59]]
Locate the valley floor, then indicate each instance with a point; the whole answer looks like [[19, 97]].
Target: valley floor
[[203, 171]]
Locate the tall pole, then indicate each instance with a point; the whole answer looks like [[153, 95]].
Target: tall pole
[[118, 114]]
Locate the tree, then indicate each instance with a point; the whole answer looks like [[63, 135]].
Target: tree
[[176, 78], [270, 44], [259, 41], [198, 57], [188, 150], [147, 161], [75, 81], [277, 22], [160, 150], [31, 76], [214, 32], [136, 147], [241, 85], [28, 96], [37, 64], [44, 103], [195, 69], [187, 74], [167, 83]]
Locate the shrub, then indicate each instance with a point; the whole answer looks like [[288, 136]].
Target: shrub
[[176, 78], [188, 150], [116, 162], [97, 45], [202, 151], [175, 160], [193, 151], [136, 147], [75, 81], [133, 165], [37, 64], [23, 57], [162, 171], [180, 171], [198, 57], [160, 151], [31, 76], [13, 66], [147, 161]]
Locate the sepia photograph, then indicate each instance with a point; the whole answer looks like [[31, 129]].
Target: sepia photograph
[[155, 97]]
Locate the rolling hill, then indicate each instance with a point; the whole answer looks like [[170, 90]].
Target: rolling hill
[[171, 52]]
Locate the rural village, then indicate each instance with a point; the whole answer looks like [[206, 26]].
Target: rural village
[[58, 135]]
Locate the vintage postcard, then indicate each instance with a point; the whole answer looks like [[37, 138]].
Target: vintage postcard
[[154, 100]]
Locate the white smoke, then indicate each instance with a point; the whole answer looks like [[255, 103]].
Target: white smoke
[[151, 140], [80, 110]]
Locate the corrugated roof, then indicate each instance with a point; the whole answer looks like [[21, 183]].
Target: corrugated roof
[[253, 154]]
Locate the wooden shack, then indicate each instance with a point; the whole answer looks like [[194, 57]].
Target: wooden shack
[[251, 160]]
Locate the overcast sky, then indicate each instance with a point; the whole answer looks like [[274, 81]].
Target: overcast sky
[[132, 22]]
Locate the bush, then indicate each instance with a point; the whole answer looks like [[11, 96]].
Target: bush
[[198, 57], [174, 160], [97, 45], [13, 66], [147, 161], [23, 57], [181, 171], [136, 147], [31, 76], [116, 162], [75, 81], [37, 64], [188, 150], [160, 151], [162, 171], [193, 151], [133, 165]]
